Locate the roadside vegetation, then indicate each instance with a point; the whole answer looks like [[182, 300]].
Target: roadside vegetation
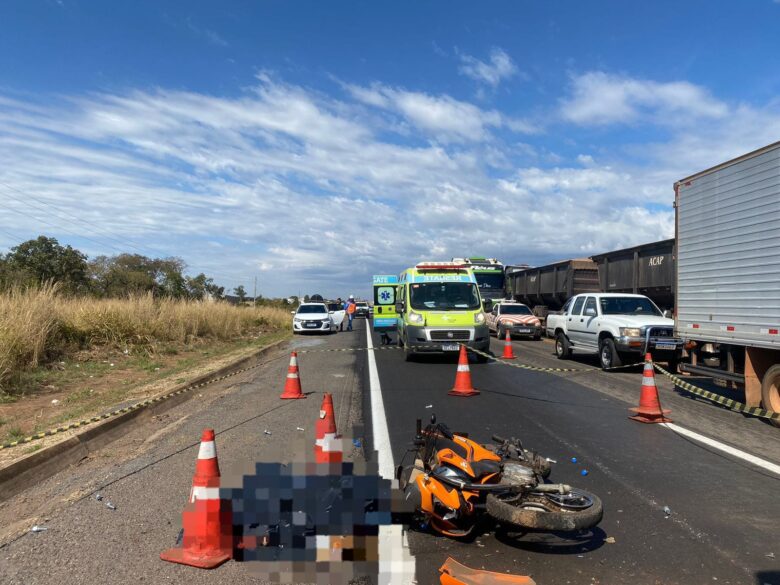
[[80, 335]]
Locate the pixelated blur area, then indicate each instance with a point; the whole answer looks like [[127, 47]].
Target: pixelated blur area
[[308, 522]]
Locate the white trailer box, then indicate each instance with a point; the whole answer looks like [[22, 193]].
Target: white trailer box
[[728, 259]]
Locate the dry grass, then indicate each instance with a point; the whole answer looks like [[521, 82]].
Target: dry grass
[[39, 325]]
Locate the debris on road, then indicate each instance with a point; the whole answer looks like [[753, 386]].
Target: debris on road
[[99, 497], [55, 402], [584, 472], [770, 555], [266, 432], [667, 511], [110, 506], [574, 460], [37, 528], [429, 406], [610, 540], [297, 429]]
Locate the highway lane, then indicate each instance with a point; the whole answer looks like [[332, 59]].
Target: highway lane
[[724, 511], [148, 473]]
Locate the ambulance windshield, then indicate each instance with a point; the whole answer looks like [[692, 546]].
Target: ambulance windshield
[[444, 296]]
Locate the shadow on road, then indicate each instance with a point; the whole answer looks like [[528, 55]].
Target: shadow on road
[[557, 543]]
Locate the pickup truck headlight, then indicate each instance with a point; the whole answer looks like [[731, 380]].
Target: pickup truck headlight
[[630, 332], [479, 318], [416, 318]]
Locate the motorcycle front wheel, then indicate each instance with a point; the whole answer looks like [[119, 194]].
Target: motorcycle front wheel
[[569, 512]]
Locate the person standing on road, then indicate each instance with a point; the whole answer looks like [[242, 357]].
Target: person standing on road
[[350, 307], [344, 308]]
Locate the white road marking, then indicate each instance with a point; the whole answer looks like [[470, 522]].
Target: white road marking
[[396, 563], [763, 463], [378, 417]]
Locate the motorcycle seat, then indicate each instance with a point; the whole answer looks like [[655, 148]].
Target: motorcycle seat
[[485, 467]]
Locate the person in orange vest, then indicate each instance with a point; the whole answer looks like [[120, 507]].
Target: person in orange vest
[[350, 307]]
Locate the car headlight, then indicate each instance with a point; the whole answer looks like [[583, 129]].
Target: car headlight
[[630, 332], [297, 319], [416, 318], [479, 318]]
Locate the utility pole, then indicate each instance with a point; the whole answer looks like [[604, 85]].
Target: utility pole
[[254, 294]]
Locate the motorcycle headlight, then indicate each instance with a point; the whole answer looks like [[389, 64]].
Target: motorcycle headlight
[[479, 318], [416, 318], [630, 332]]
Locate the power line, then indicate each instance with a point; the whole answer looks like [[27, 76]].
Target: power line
[[76, 219]]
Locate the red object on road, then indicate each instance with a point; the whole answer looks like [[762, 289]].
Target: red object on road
[[649, 409], [328, 447], [463, 386], [207, 541], [453, 573], [509, 353], [292, 387]]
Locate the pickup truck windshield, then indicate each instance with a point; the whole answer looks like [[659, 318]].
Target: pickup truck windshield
[[312, 309], [628, 306], [444, 296], [515, 310]]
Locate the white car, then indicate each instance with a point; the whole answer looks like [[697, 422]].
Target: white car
[[312, 317]]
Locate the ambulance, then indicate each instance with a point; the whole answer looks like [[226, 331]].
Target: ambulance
[[439, 308], [385, 317]]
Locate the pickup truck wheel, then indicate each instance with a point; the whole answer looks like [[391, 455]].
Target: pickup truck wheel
[[770, 391], [562, 347], [608, 354]]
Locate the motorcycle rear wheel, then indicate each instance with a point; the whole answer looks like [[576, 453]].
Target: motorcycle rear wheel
[[578, 510]]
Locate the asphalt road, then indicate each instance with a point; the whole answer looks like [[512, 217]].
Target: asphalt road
[[725, 512], [724, 519]]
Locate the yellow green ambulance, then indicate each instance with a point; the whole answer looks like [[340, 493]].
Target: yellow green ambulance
[[439, 307]]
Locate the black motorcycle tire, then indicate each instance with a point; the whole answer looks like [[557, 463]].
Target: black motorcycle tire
[[540, 513]]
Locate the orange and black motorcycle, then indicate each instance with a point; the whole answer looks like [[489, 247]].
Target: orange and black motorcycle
[[454, 480]]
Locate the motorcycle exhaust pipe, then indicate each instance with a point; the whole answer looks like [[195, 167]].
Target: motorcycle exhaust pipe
[[552, 488]]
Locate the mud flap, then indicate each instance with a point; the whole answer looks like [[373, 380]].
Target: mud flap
[[453, 573]]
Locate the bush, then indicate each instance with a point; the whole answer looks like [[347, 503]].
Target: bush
[[36, 324]]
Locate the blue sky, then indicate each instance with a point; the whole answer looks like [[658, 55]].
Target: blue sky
[[312, 144]]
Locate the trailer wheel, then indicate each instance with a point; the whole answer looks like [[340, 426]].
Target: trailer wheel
[[770, 391]]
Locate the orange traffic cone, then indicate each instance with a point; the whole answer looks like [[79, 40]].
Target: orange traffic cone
[[509, 354], [649, 409], [207, 520], [453, 573], [328, 447], [292, 387], [463, 385]]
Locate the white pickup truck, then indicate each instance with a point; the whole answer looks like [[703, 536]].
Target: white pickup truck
[[620, 328]]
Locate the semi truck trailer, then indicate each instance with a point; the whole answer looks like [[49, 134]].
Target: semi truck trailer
[[728, 274]]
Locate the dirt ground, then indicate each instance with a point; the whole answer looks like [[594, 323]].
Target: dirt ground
[[95, 382]]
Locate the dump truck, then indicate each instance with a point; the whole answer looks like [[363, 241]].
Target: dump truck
[[728, 274]]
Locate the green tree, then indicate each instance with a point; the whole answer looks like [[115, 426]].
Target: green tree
[[201, 287], [45, 260], [240, 293], [125, 274]]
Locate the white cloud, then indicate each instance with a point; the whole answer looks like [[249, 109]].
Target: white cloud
[[499, 67], [601, 98], [311, 194], [443, 117]]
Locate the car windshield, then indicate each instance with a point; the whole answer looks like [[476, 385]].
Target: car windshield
[[628, 306], [515, 310], [312, 309], [444, 296], [361, 304]]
